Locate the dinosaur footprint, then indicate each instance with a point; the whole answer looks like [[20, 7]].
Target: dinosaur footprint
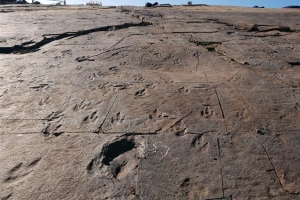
[[117, 119], [243, 115], [20, 170], [156, 115], [183, 90], [90, 118], [54, 122], [207, 112], [179, 128], [82, 106], [139, 77]]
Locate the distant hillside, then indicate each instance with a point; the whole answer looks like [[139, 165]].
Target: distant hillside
[[292, 7]]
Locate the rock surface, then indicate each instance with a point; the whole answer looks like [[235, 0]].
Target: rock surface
[[149, 103]]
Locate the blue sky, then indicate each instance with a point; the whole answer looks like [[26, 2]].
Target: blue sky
[[247, 3]]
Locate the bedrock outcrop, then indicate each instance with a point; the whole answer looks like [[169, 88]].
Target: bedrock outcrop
[[198, 102]]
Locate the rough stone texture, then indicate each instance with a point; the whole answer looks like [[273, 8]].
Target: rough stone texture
[[158, 103]]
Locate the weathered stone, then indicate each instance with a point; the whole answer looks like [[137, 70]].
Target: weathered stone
[[198, 102]]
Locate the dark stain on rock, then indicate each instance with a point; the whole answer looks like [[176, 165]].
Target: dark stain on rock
[[196, 139], [7, 197], [185, 183], [110, 152], [113, 150]]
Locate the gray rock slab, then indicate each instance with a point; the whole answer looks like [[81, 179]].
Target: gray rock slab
[[137, 103]]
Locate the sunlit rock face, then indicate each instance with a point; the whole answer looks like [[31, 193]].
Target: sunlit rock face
[[182, 102]]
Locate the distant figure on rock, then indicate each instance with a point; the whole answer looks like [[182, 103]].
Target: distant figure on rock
[[150, 4], [258, 6]]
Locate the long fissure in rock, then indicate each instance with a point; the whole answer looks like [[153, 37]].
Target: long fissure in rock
[[22, 49], [294, 64], [204, 43], [256, 28]]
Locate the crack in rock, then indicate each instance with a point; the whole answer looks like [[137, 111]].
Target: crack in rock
[[255, 28], [204, 43], [23, 48], [294, 64]]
